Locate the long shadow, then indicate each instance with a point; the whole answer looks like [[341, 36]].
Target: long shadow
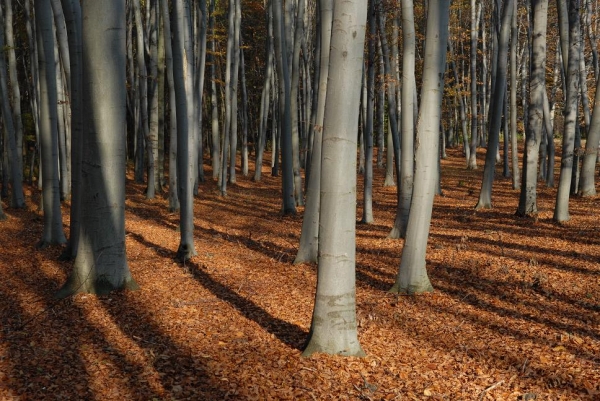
[[478, 244], [290, 334], [501, 290], [183, 375], [45, 350]]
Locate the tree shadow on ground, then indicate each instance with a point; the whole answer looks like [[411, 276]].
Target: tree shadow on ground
[[290, 334]]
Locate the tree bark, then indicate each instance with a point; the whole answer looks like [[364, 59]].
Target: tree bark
[[412, 275], [101, 262], [333, 328], [561, 210]]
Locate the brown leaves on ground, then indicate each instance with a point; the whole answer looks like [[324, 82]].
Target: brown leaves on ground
[[515, 314]]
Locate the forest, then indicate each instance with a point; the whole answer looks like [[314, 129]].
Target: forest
[[292, 199]]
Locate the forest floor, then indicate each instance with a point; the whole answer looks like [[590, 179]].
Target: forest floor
[[515, 314]]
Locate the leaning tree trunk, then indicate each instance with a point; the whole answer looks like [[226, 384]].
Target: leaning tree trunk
[[309, 238], [561, 210], [496, 108], [412, 275], [186, 141], [53, 230], [101, 262], [333, 328], [533, 133]]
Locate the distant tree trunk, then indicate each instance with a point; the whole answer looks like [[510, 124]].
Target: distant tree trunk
[[173, 185], [475, 12], [228, 133], [143, 93], [214, 115], [587, 185], [11, 126], [561, 210], [407, 158], [309, 238], [16, 150], [72, 11], [369, 102], [533, 133], [53, 230], [265, 99], [294, 88], [152, 105], [412, 275], [101, 262], [283, 74], [235, 71], [199, 87], [496, 107], [513, 101], [186, 140], [333, 327]]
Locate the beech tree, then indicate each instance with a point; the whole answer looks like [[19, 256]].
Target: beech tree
[[53, 229], [333, 328], [533, 133], [412, 275], [101, 263]]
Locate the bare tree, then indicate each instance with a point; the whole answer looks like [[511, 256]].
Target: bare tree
[[412, 275], [333, 328]]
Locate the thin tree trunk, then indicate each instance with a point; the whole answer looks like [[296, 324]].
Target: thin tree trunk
[[412, 275], [561, 210], [53, 230]]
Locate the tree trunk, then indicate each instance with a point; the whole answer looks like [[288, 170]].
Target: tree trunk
[[309, 238], [17, 199], [496, 108], [412, 275], [533, 133], [513, 101], [333, 328], [475, 12], [561, 210], [72, 11], [186, 141], [287, 179], [101, 262], [53, 230]]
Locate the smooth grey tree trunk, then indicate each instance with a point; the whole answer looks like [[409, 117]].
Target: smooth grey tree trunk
[[309, 238], [142, 83], [283, 75], [412, 276], [214, 109], [496, 108], [333, 327], [233, 87], [368, 107], [561, 210], [153, 183], [183, 59], [587, 185], [72, 12], [265, 98], [199, 87], [533, 133], [475, 12], [294, 88], [407, 159], [513, 101], [173, 186], [17, 198], [101, 262], [53, 230]]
